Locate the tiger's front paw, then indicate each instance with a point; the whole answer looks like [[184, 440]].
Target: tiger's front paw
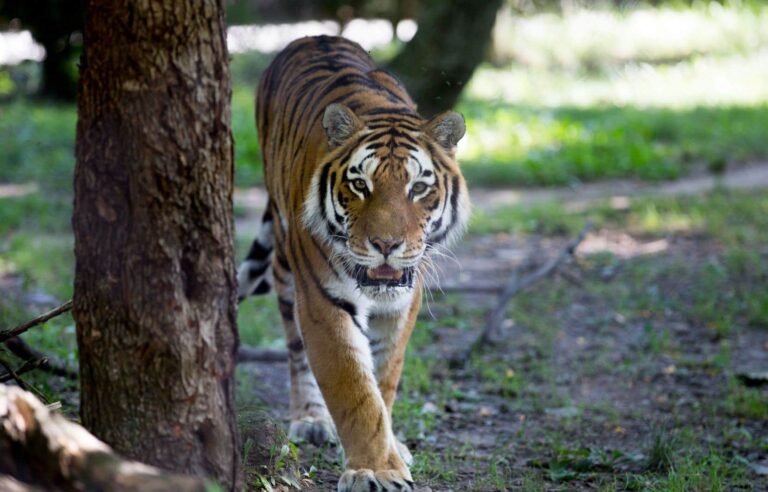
[[368, 481], [315, 430]]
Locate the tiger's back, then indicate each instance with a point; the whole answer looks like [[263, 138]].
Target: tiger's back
[[300, 83], [362, 190]]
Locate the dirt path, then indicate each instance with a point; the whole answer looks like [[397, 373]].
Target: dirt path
[[749, 177]]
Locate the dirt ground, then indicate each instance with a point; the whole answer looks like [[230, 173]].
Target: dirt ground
[[594, 395], [603, 401]]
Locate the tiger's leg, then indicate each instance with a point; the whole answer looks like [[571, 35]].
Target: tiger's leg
[[341, 361], [310, 420], [388, 336], [254, 275]]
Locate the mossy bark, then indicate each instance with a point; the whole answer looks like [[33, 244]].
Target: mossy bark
[[155, 285]]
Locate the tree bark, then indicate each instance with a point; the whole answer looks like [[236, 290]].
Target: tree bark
[[42, 450], [155, 286], [451, 42]]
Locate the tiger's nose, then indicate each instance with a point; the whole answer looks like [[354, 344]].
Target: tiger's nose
[[385, 246]]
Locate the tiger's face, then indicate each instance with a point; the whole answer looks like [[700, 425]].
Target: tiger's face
[[388, 193]]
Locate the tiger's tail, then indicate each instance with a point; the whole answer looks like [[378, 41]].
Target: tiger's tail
[[254, 277]]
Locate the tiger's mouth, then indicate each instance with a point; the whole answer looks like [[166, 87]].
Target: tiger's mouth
[[383, 275]]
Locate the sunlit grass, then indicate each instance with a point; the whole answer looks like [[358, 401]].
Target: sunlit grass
[[736, 79], [650, 219], [593, 95], [531, 145], [590, 38]]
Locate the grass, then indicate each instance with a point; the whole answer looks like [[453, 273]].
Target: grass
[[734, 218], [549, 123], [589, 39], [525, 145], [724, 292]]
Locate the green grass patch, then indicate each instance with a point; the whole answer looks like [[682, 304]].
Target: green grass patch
[[712, 473], [533, 145], [512, 139], [743, 402], [548, 218]]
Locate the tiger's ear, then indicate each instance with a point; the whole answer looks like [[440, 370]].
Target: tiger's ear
[[447, 128], [340, 123]]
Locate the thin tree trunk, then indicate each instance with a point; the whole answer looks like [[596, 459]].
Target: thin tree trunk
[[155, 288], [450, 43], [57, 82]]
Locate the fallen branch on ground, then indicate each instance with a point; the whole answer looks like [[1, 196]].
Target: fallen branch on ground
[[492, 333], [41, 448], [246, 353], [496, 317], [34, 359]]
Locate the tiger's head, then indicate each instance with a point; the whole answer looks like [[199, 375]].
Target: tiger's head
[[388, 192]]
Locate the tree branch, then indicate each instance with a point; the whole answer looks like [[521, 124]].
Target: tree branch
[[6, 334], [491, 334], [10, 374], [50, 364]]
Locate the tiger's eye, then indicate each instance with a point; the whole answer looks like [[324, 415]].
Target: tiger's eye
[[359, 185], [418, 188]]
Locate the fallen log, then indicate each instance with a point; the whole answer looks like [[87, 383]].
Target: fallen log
[[41, 449]]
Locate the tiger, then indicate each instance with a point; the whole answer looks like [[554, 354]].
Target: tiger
[[362, 191]]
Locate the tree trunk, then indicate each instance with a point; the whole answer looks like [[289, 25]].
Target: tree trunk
[[450, 43], [155, 285], [57, 81]]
